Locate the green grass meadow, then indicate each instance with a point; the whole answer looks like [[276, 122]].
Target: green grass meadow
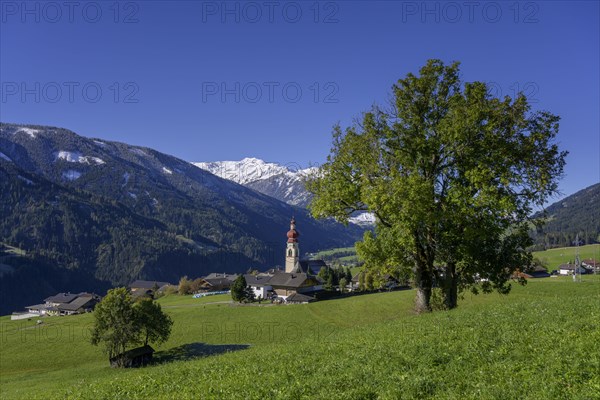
[[552, 258], [540, 342], [555, 257]]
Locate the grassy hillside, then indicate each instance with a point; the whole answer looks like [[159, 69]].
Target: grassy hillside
[[530, 344], [342, 255], [554, 257]]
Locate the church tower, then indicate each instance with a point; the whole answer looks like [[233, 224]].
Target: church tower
[[292, 251]]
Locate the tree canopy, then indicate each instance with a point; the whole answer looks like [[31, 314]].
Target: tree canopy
[[119, 322], [452, 175], [115, 322], [240, 291], [154, 324]]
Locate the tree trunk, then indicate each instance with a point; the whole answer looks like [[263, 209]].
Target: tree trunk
[[423, 300], [424, 284], [423, 279], [450, 286]]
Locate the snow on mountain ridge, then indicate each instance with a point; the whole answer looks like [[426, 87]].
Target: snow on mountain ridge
[[31, 132], [75, 156], [283, 182], [250, 170]]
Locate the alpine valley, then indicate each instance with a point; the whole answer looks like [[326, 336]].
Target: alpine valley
[[87, 214]]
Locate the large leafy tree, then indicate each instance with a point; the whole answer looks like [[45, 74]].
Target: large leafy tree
[[452, 175], [115, 322], [119, 323]]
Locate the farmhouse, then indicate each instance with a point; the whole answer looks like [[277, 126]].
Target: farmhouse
[[217, 282], [299, 298], [260, 285], [591, 264], [569, 269], [533, 272], [141, 288], [62, 304], [285, 284]]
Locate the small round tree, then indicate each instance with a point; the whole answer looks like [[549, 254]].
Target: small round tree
[[120, 323], [238, 289], [115, 323], [154, 325]]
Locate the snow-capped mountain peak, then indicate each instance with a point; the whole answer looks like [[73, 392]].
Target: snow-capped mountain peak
[[284, 182], [249, 170]]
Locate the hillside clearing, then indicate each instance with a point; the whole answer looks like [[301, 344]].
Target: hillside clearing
[[555, 257]]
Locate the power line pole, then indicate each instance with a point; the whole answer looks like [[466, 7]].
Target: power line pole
[[577, 262]]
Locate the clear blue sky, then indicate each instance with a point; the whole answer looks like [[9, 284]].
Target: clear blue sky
[[173, 59]]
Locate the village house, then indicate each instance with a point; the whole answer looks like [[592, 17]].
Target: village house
[[533, 272], [591, 264], [217, 282], [61, 304], [259, 284], [569, 269], [140, 288]]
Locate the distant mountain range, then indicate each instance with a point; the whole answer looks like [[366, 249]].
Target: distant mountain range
[[108, 212], [283, 182]]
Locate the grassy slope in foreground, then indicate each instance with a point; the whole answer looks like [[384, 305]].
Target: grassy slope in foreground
[[541, 341]]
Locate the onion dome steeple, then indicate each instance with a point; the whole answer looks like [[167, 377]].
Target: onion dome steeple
[[293, 233]]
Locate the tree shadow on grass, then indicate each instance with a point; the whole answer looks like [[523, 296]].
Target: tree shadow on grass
[[195, 350]]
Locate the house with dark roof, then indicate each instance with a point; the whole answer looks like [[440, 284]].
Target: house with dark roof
[[532, 272], [259, 284], [61, 298], [141, 288], [590, 263], [65, 304], [217, 282], [570, 269], [148, 285], [312, 267], [216, 275], [285, 284], [299, 298]]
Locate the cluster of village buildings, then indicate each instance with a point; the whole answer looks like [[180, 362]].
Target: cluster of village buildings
[[298, 283], [588, 266]]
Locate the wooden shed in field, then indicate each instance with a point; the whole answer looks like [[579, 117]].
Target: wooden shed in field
[[133, 358]]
